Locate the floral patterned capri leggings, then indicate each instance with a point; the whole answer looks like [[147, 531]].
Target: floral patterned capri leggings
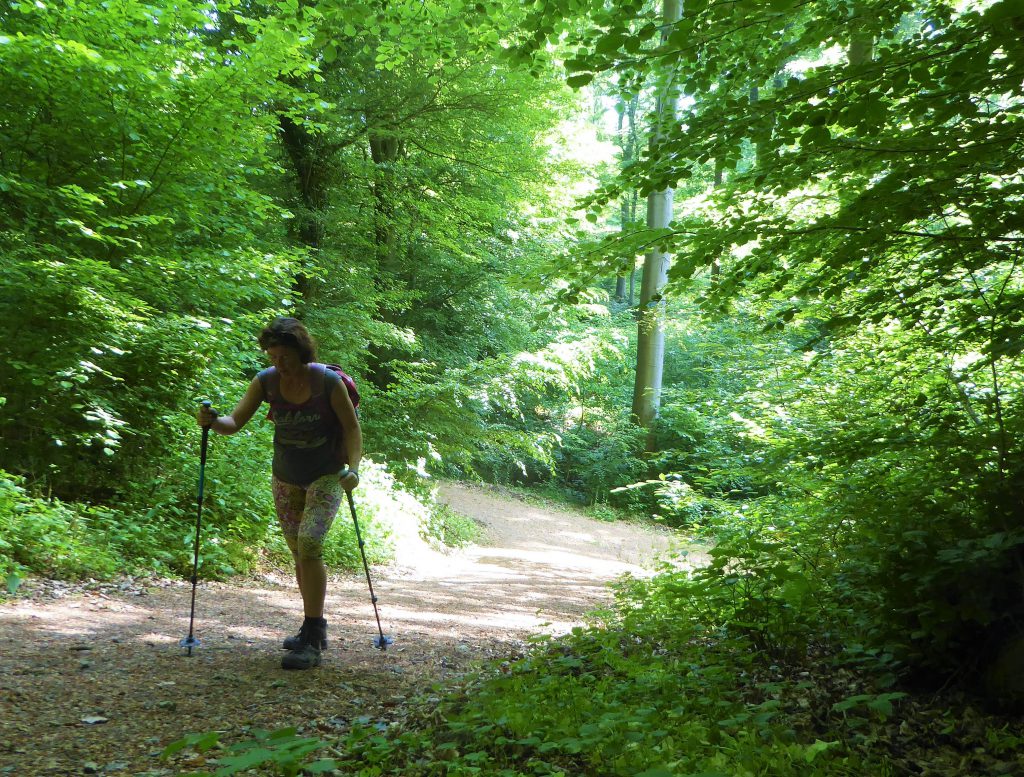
[[306, 514]]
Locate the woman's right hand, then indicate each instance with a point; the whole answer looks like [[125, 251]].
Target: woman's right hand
[[206, 415]]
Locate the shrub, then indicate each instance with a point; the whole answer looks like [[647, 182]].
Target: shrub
[[55, 539]]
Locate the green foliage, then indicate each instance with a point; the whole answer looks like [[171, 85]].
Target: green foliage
[[378, 497], [51, 538], [282, 750], [862, 501], [598, 453], [123, 252], [757, 588], [920, 495], [415, 218], [59, 540], [844, 177], [565, 399], [171, 176], [449, 528], [859, 489], [149, 155]]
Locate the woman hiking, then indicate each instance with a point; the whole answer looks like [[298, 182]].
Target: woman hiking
[[317, 448]]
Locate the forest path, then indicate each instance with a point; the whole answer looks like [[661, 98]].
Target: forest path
[[92, 680]]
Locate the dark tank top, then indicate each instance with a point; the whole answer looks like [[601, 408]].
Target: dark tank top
[[307, 435]]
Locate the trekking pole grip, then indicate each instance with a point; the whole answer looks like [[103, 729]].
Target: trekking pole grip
[[207, 404]]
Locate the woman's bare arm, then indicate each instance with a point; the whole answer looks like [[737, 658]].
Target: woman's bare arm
[[239, 417], [352, 433]]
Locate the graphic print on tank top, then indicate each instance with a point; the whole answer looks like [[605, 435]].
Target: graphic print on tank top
[[307, 435]]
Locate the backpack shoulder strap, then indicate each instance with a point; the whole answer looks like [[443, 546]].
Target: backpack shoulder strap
[[319, 382], [270, 382]]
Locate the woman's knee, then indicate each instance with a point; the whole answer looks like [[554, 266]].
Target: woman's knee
[[309, 549], [292, 541]]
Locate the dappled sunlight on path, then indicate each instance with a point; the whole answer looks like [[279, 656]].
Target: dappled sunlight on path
[[536, 568]]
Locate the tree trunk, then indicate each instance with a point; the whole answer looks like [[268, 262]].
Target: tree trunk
[[384, 151], [651, 327], [311, 183], [633, 203], [716, 264], [620, 288], [627, 116]]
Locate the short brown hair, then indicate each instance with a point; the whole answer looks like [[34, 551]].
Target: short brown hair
[[290, 333]]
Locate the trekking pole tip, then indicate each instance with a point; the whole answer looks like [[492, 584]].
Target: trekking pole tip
[[190, 642], [382, 642]]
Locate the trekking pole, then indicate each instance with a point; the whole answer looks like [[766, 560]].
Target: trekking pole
[[190, 641], [381, 641]]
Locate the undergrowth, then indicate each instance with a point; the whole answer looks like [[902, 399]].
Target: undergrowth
[[446, 527], [49, 537], [64, 540]]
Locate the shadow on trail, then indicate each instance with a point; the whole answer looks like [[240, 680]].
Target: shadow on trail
[[95, 682], [114, 660], [99, 682]]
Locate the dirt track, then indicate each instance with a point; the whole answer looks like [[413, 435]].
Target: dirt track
[[92, 680]]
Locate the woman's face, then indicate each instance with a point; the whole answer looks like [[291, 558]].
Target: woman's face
[[285, 359]]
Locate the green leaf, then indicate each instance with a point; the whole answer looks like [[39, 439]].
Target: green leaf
[[813, 751], [815, 136], [582, 79], [610, 43], [200, 742], [233, 764], [321, 766]]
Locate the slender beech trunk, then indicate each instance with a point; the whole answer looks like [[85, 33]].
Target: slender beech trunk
[[651, 328], [716, 264], [650, 358], [634, 202], [620, 279], [620, 288], [627, 208]]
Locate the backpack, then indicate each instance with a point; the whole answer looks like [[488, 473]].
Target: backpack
[[347, 382], [350, 385]]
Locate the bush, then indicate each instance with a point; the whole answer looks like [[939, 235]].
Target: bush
[[597, 453], [446, 527], [59, 540], [933, 569]]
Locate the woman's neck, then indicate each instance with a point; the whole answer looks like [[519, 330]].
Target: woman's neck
[[294, 375]]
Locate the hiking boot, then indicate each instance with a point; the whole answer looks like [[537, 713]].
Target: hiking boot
[[307, 655], [296, 641]]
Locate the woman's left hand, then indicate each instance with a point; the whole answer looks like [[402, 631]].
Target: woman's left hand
[[349, 479]]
